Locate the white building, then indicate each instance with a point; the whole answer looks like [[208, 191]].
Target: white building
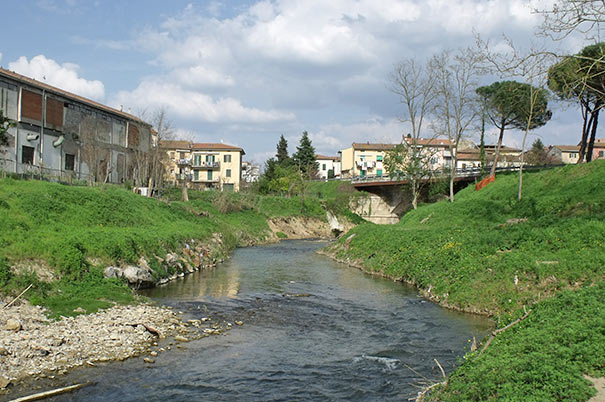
[[329, 166]]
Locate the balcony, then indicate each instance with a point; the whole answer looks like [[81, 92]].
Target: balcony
[[205, 179], [206, 165]]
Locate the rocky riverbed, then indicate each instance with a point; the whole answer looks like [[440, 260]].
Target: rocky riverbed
[[33, 346]]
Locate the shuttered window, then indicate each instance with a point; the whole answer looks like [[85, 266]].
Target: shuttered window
[[31, 105]]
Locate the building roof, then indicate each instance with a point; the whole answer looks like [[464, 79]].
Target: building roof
[[57, 91], [200, 146], [213, 146], [432, 142], [323, 157], [503, 148], [567, 148], [372, 147]]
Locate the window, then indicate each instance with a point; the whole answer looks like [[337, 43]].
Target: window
[[171, 154], [601, 154], [210, 158], [197, 160], [70, 161], [323, 166], [379, 172], [27, 155], [228, 173], [227, 158], [210, 175], [182, 155], [379, 158], [196, 175], [573, 155]]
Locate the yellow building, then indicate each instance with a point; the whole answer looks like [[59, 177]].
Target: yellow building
[[365, 159], [207, 165]]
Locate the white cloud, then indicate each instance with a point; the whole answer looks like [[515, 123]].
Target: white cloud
[[64, 76], [202, 77], [194, 105]]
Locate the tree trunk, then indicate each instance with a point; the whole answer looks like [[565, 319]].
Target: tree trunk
[[593, 132], [453, 176], [493, 171], [185, 193], [585, 129], [415, 191], [482, 146]]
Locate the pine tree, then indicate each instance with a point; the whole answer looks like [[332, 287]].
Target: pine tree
[[282, 152], [304, 158]]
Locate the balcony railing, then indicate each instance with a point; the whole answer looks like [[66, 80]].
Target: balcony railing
[[206, 165], [205, 179]]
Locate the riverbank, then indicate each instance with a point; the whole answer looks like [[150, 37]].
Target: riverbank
[[489, 254], [76, 249]]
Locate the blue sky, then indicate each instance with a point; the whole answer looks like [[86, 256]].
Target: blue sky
[[245, 72]]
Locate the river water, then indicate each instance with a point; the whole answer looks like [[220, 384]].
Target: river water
[[313, 330]]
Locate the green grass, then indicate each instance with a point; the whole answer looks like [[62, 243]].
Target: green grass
[[468, 256], [542, 358], [76, 231]]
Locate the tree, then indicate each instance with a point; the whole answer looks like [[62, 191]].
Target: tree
[[163, 131], [510, 104], [538, 155], [304, 157], [415, 83], [283, 159], [567, 16], [5, 124], [456, 107], [411, 162], [581, 78]]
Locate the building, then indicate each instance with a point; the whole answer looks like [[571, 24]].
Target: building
[[470, 157], [565, 153], [570, 154], [65, 136], [250, 172], [329, 166], [207, 165], [366, 159]]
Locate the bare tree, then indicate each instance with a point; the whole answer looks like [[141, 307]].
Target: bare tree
[[528, 103], [94, 153], [564, 17], [163, 131], [456, 107], [415, 83]]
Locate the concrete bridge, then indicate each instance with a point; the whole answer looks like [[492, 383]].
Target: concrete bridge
[[388, 200]]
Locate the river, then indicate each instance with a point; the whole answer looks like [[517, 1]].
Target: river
[[313, 330]]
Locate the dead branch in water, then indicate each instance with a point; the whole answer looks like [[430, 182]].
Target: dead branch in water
[[48, 394]]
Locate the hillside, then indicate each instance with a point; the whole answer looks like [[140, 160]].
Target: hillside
[[489, 254]]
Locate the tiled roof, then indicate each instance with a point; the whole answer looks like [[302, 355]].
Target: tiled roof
[[49, 88], [200, 146], [169, 144], [433, 142], [211, 146], [323, 157], [373, 147], [567, 148]]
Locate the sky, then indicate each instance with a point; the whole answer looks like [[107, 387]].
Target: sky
[[246, 72]]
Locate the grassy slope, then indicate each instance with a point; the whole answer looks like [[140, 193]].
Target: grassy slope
[[67, 226], [468, 257]]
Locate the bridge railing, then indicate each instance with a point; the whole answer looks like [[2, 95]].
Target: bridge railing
[[460, 172]]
